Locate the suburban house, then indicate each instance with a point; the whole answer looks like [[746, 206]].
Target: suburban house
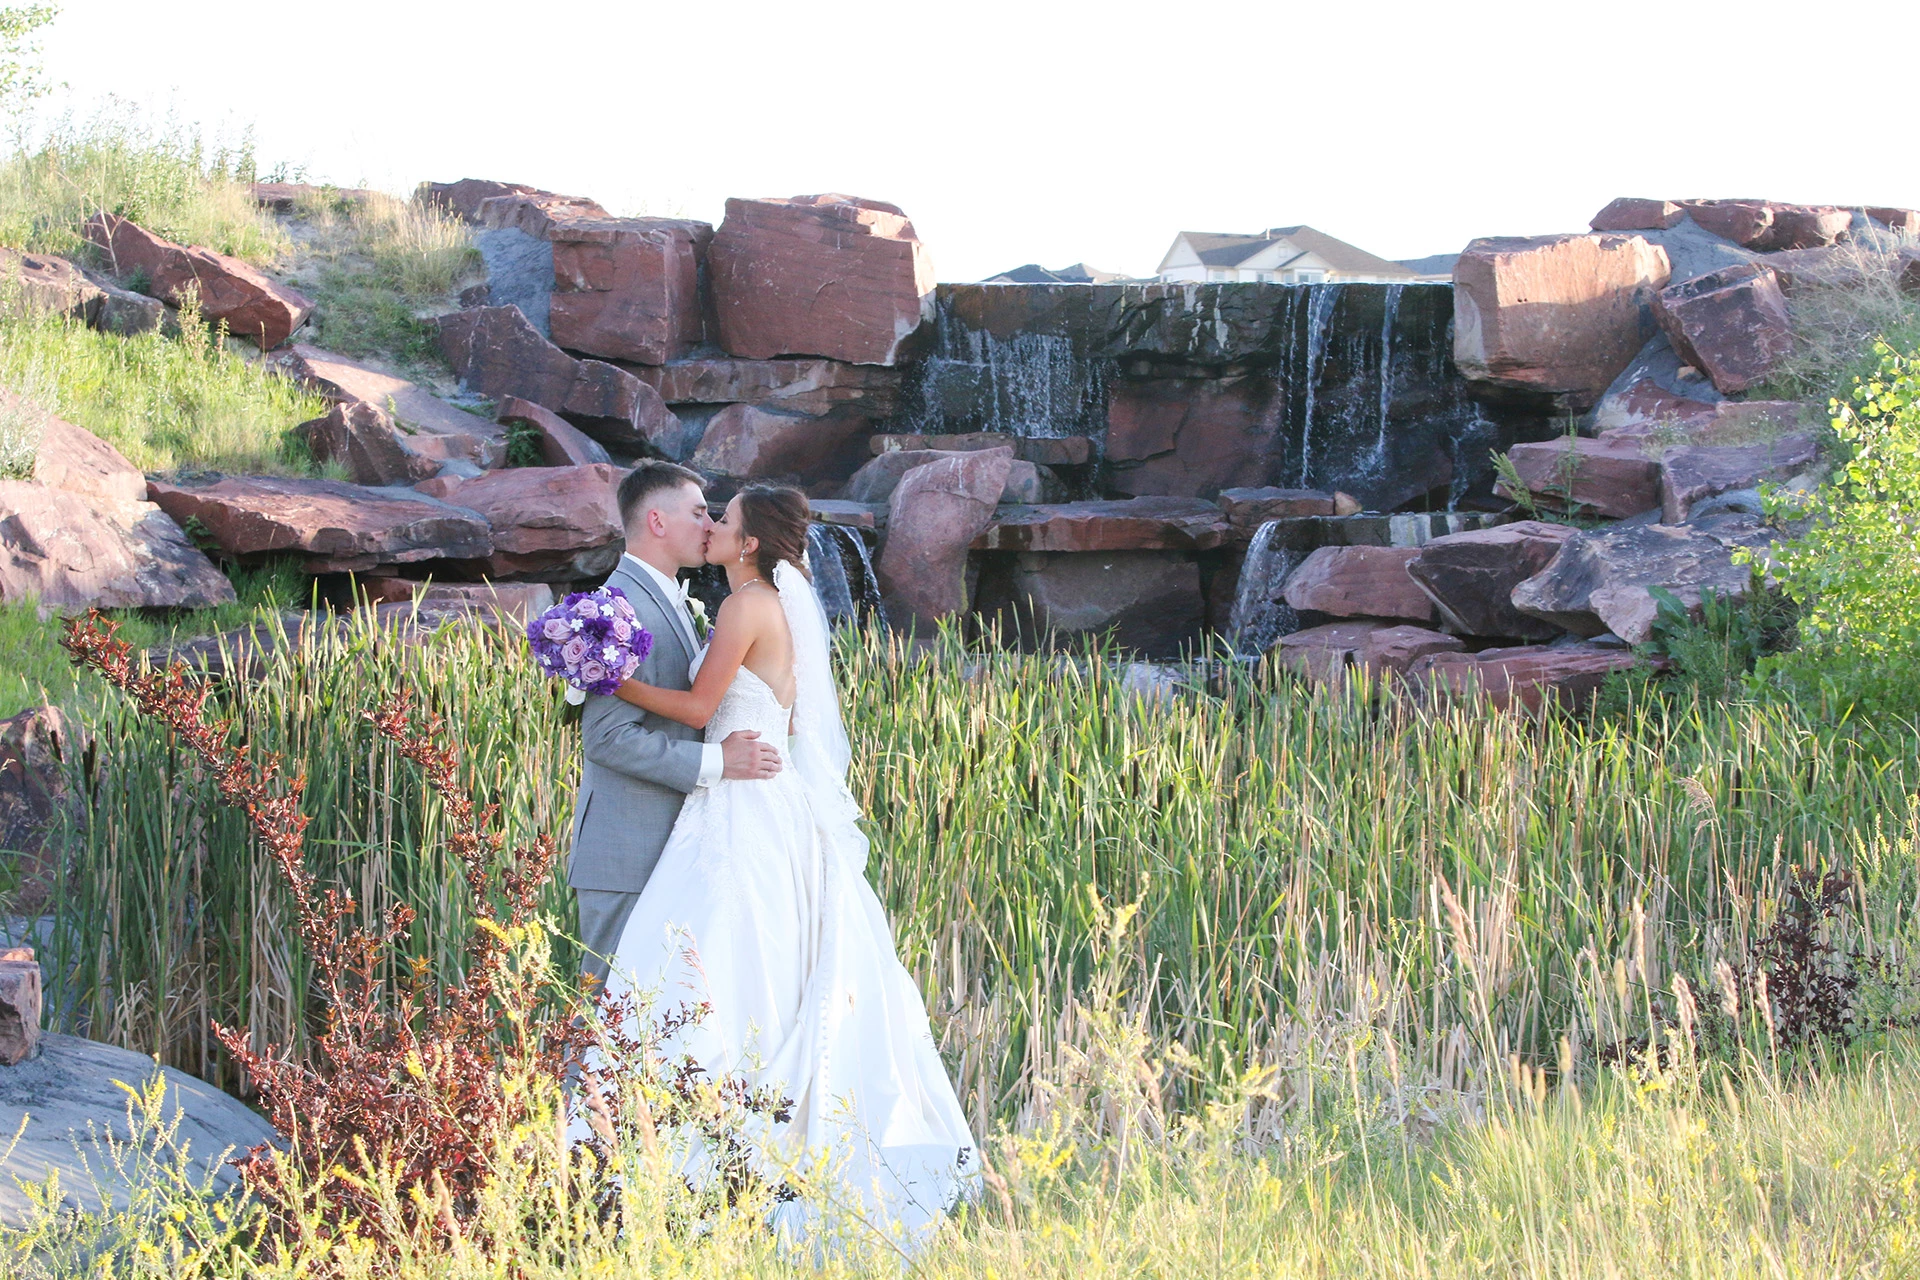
[[1280, 255]]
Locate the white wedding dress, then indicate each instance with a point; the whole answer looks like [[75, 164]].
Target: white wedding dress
[[760, 908]]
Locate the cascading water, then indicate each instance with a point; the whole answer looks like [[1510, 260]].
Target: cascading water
[[1259, 615], [1321, 300], [1197, 387], [1389, 312], [829, 574], [843, 575], [1027, 383]]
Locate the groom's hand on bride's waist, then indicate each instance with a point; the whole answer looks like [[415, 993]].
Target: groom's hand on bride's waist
[[747, 757]]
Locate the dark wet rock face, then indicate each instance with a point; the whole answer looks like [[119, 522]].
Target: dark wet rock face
[[1190, 389]]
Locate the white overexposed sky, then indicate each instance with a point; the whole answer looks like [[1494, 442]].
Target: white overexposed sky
[[1014, 131]]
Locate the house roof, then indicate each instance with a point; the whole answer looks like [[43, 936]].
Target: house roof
[[1217, 249], [1034, 273], [1438, 264]]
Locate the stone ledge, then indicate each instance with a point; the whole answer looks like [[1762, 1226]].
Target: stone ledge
[[1132, 524]]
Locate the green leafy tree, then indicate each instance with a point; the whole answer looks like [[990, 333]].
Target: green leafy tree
[[20, 28], [1855, 571]]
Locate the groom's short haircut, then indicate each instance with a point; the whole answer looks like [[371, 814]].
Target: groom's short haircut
[[648, 479]]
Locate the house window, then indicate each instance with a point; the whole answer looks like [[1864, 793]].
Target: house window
[[1265, 277], [1216, 275], [1310, 277]]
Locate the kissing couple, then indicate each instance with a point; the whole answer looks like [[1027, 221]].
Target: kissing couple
[[718, 858]]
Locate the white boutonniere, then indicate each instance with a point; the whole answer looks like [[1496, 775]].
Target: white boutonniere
[[698, 608]]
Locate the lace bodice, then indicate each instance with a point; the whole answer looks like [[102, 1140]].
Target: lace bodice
[[748, 703]]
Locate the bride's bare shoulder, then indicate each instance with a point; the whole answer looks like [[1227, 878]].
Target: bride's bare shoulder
[[751, 606]]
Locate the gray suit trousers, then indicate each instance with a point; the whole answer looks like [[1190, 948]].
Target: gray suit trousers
[[603, 918]]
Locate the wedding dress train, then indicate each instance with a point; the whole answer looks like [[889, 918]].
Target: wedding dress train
[[760, 908]]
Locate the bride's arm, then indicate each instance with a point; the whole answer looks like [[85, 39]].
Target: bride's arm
[[734, 630]]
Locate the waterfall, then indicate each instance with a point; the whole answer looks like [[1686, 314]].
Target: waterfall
[[1027, 383], [843, 575], [1259, 616], [829, 574], [1390, 309], [1321, 301]]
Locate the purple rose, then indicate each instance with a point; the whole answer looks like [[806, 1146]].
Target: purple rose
[[591, 674], [586, 607], [622, 630], [574, 650], [556, 629]]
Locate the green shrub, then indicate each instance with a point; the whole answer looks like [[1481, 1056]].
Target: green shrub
[[1855, 571], [167, 403]]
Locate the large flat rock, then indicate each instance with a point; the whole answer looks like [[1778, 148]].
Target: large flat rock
[[823, 275], [433, 428], [74, 1094], [548, 522], [339, 527], [70, 551], [1133, 524]]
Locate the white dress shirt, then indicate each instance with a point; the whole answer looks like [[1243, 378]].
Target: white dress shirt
[[712, 761]]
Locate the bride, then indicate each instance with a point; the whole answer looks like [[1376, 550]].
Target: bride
[[760, 907]]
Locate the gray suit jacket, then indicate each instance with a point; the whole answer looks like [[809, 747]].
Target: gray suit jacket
[[639, 766]]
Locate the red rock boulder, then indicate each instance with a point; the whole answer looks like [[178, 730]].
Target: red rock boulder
[[798, 386], [498, 353], [1745, 222], [1527, 678], [1555, 314], [826, 275], [548, 522], [1359, 582], [1904, 221], [1190, 437], [338, 527], [508, 604], [1799, 226], [1611, 478], [561, 443], [1045, 451], [1470, 576], [78, 461], [628, 288], [429, 427], [1605, 580], [68, 551], [1690, 474], [1325, 655], [876, 480], [1731, 324], [463, 198], [932, 518], [749, 442], [1631, 214], [20, 1005], [366, 444], [1247, 509], [229, 291], [1138, 524]]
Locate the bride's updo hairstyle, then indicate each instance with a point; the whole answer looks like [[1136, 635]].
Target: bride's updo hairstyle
[[778, 517]]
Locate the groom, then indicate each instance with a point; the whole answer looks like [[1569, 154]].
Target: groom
[[639, 767]]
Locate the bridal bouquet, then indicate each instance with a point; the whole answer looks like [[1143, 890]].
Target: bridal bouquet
[[592, 640]]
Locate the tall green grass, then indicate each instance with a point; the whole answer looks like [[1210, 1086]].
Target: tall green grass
[[166, 402], [1462, 887], [377, 268], [168, 178]]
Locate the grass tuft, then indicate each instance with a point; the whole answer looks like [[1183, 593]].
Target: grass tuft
[[165, 402]]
